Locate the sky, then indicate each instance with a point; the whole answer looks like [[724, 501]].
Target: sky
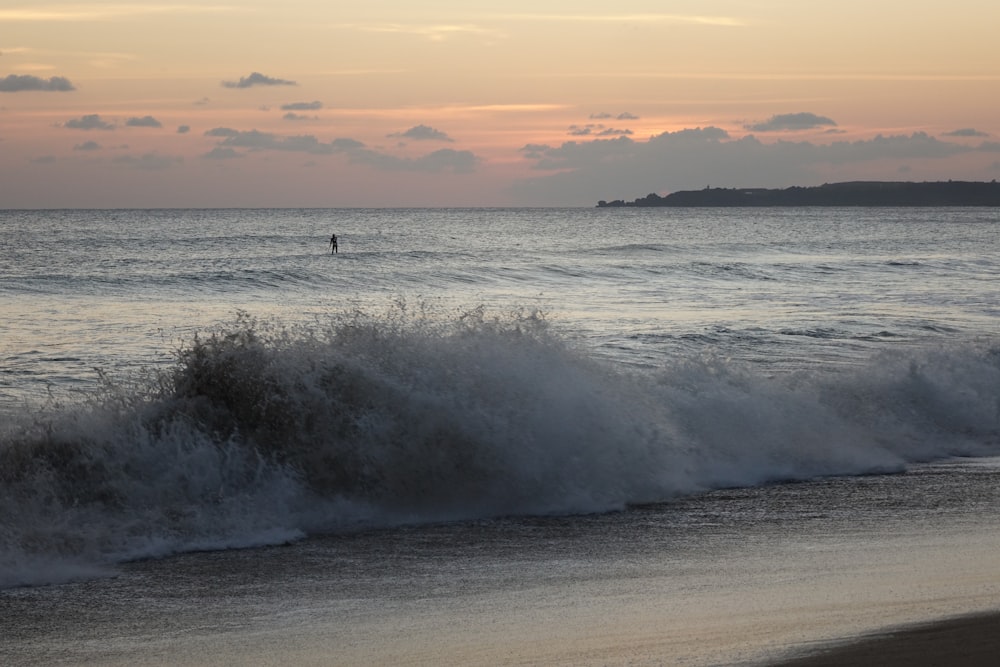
[[386, 103]]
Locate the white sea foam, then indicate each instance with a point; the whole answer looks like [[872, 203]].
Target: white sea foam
[[262, 433]]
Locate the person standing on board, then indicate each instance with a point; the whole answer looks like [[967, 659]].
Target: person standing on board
[[333, 244]]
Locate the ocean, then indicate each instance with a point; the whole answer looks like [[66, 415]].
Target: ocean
[[492, 436]]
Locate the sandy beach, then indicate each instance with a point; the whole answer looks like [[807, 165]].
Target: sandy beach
[[966, 641], [659, 585]]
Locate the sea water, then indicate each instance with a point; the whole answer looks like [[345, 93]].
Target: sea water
[[180, 381]]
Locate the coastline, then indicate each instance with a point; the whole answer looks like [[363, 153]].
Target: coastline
[[963, 641], [833, 573], [772, 601], [852, 193]]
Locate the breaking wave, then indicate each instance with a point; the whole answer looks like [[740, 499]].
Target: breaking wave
[[261, 433]]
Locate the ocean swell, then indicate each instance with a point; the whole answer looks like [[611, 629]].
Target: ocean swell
[[262, 433]]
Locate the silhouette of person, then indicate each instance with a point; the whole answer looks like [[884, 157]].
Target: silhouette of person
[[333, 244]]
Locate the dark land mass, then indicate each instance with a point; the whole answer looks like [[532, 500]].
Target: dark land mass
[[855, 193]]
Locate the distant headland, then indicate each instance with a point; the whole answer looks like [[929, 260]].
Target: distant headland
[[854, 193]]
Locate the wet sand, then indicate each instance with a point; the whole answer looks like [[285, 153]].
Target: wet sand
[[967, 641], [483, 594], [833, 572]]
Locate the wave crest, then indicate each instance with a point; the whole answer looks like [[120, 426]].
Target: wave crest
[[261, 433]]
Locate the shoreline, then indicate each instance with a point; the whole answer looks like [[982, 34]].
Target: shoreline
[[829, 578], [851, 194], [964, 641]]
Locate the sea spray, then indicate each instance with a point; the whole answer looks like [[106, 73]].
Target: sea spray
[[422, 415], [261, 433]]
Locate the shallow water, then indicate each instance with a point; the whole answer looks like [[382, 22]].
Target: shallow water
[[785, 287], [521, 436], [730, 577]]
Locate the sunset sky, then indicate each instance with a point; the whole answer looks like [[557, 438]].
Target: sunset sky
[[316, 103]]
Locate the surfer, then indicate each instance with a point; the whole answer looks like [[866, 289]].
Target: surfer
[[333, 244]]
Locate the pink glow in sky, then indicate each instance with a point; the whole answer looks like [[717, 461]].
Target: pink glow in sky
[[456, 103]]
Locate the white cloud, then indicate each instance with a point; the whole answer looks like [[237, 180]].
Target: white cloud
[[91, 121], [15, 83], [443, 160], [219, 153], [145, 121], [344, 145], [222, 132], [596, 130], [302, 106], [792, 122], [966, 132], [422, 133], [256, 140], [257, 79], [624, 168]]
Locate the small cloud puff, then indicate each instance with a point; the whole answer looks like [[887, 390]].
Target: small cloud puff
[[14, 83], [302, 106], [604, 115], [344, 144], [145, 121], [597, 130], [257, 79], [257, 140], [90, 121], [219, 153], [222, 132], [790, 122], [87, 146], [966, 132], [291, 115], [422, 133], [183, 129], [443, 160], [535, 151]]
